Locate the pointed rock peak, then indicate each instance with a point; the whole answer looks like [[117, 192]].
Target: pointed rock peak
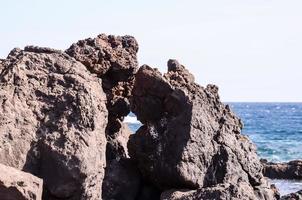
[[174, 65], [178, 73]]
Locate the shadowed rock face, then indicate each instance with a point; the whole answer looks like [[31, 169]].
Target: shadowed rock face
[[53, 120], [290, 170], [18, 185], [219, 192], [189, 138], [122, 180]]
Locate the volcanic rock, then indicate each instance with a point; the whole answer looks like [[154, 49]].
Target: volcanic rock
[[242, 191], [18, 185], [114, 60], [293, 196], [189, 139], [290, 170], [53, 120], [122, 180]]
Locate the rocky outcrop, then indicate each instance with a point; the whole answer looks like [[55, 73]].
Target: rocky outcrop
[[290, 170], [62, 120], [18, 185], [114, 60], [189, 139], [53, 120], [293, 196]]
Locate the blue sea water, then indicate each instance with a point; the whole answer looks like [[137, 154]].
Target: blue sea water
[[275, 128]]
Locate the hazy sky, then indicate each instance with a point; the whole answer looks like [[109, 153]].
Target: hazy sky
[[252, 49]]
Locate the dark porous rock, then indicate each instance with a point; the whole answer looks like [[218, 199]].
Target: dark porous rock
[[114, 60], [148, 192], [53, 121], [122, 180], [106, 53], [241, 191], [290, 170], [117, 144], [189, 139], [293, 196], [18, 185]]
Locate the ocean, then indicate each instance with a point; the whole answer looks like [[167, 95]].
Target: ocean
[[275, 128]]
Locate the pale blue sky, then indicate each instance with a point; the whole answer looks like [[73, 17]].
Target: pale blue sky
[[252, 49]]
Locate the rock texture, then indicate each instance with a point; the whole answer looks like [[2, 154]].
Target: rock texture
[[293, 196], [219, 192], [114, 60], [290, 170], [62, 121], [190, 140], [53, 120], [18, 185], [122, 180]]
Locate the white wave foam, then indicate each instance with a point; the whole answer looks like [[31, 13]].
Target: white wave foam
[[287, 186]]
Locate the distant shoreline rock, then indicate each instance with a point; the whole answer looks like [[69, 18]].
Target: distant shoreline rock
[[285, 170]]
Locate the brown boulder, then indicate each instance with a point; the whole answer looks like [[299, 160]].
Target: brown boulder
[[241, 191], [53, 121], [18, 185], [189, 139], [117, 143]]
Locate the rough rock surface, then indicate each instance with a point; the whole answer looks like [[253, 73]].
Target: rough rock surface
[[117, 144], [122, 180], [18, 185], [220, 192], [293, 196], [189, 139], [53, 120], [114, 60], [290, 170]]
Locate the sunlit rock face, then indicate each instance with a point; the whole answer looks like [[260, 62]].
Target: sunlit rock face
[[53, 121], [114, 60]]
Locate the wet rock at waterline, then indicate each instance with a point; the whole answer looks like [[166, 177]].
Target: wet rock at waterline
[[290, 170]]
